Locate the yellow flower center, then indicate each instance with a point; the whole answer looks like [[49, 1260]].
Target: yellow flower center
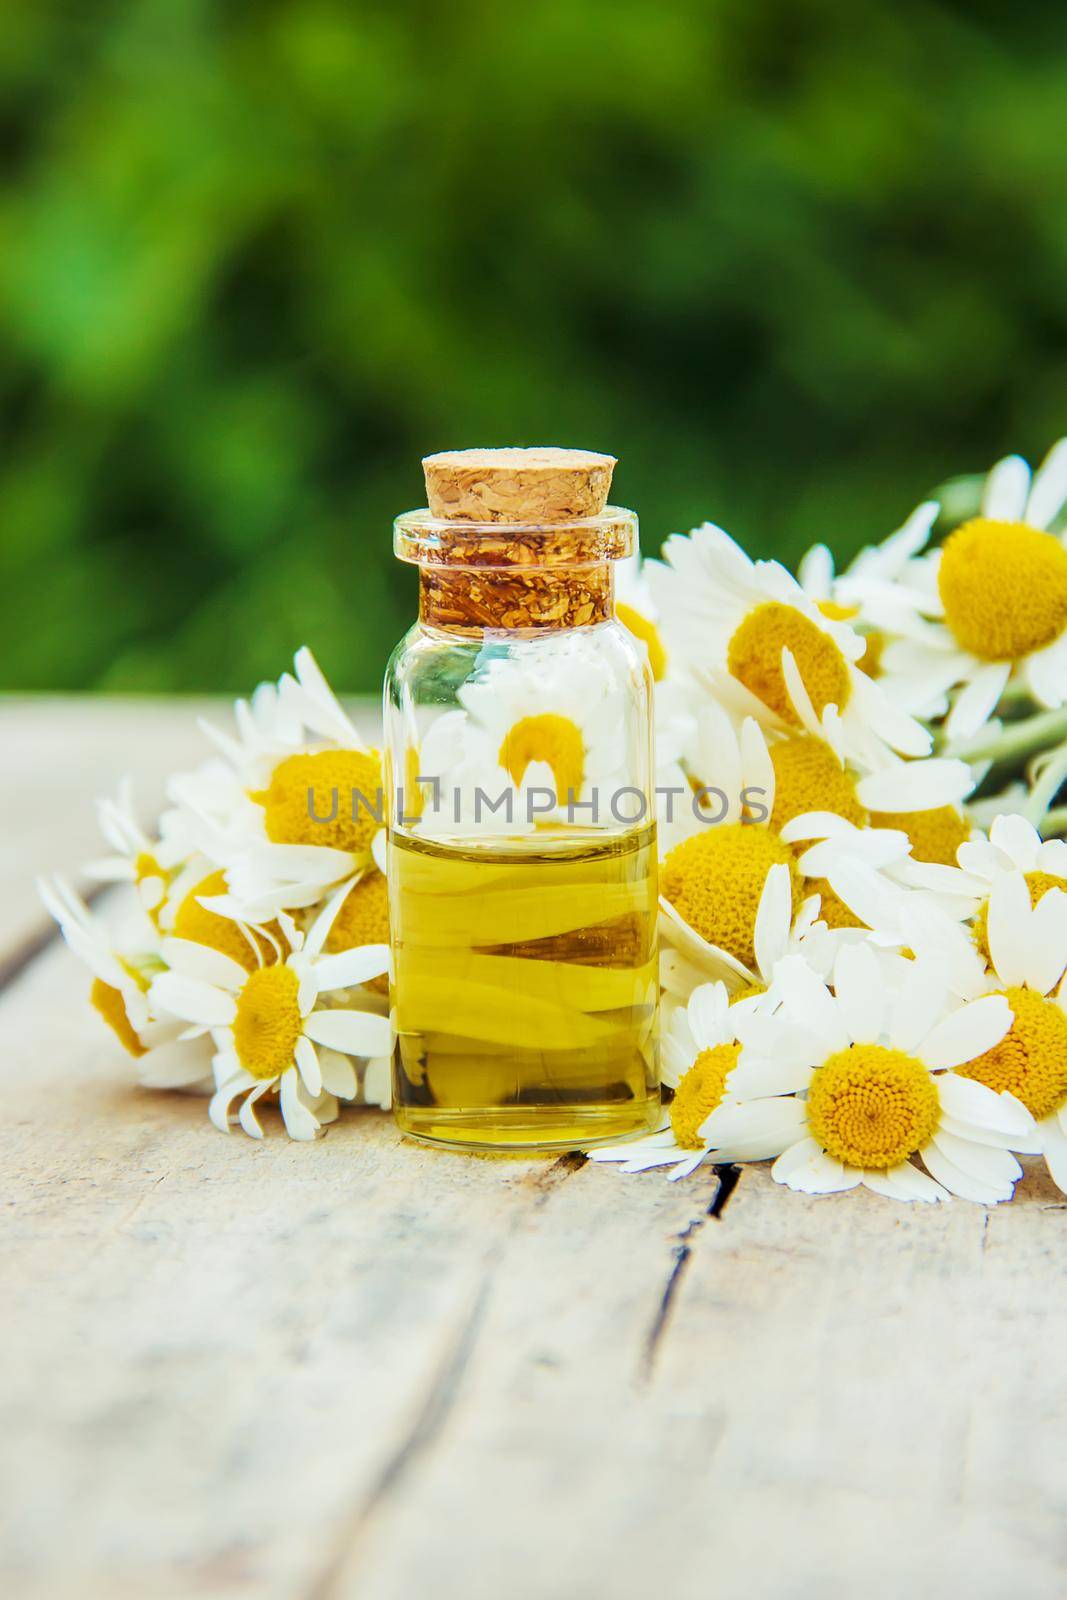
[[935, 835], [328, 797], [1031, 1059], [1004, 588], [755, 659], [872, 1107], [193, 922], [808, 777], [700, 1091], [267, 1025], [363, 919], [714, 881], [554, 740], [109, 1003], [644, 629], [1038, 884]]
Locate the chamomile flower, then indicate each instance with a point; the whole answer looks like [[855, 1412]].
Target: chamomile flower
[[853, 1086], [123, 966], [272, 1031], [1027, 945], [997, 607], [749, 632], [302, 806], [1014, 845], [149, 864], [873, 593], [713, 881], [555, 720], [700, 1051], [872, 874], [636, 609], [920, 798]]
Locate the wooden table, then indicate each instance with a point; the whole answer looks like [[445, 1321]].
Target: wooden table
[[365, 1368]]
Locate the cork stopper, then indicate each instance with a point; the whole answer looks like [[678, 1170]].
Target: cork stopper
[[520, 486]]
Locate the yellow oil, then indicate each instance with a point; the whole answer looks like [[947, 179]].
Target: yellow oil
[[525, 989]]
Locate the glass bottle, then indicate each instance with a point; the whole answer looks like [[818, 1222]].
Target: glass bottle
[[522, 838]]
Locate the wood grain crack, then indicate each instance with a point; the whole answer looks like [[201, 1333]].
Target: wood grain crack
[[727, 1179], [442, 1393]]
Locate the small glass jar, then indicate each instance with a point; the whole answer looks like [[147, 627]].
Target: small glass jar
[[522, 838]]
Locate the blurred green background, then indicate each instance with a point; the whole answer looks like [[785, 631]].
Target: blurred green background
[[793, 261]]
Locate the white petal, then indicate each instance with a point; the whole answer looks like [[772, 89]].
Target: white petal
[[706, 1014], [338, 1074], [984, 1163], [1006, 489], [378, 1082], [757, 768], [859, 987], [871, 706], [350, 967], [1046, 955], [1049, 489], [764, 1128], [916, 785], [1016, 838], [300, 1122], [192, 1000], [219, 1109], [816, 572], [247, 1115], [308, 1063], [956, 1181], [967, 1033], [202, 962], [771, 933], [905, 1182], [1008, 927], [320, 928], [809, 1001], [975, 704], [358, 1033], [973, 1102]]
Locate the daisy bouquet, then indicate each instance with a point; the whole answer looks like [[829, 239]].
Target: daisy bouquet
[[863, 888]]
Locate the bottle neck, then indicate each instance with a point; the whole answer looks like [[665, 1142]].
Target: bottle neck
[[470, 600]]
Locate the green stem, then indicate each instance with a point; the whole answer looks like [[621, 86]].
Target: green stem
[[1055, 822], [1049, 782], [1016, 739]]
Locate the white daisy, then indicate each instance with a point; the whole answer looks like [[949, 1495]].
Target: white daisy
[[712, 882], [997, 605], [874, 593], [302, 806], [150, 865], [1028, 951], [700, 1051], [750, 633], [1014, 845], [270, 1030], [860, 1078], [122, 966], [552, 724]]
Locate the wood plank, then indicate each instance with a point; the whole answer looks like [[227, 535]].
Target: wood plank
[[365, 1368], [62, 753], [219, 1357]]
